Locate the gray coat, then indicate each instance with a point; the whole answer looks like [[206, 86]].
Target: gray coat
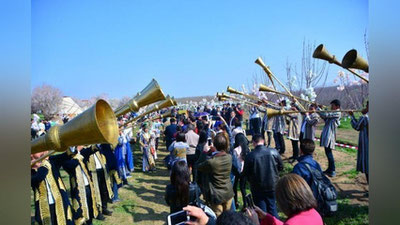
[[328, 135], [311, 122], [279, 124], [294, 126]]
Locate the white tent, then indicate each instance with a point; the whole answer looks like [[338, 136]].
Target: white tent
[[69, 106]]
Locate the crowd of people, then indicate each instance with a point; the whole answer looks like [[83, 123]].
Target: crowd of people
[[209, 157]]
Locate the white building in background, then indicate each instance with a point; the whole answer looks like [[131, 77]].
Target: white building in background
[[69, 107]]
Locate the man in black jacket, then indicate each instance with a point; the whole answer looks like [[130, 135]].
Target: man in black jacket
[[261, 168], [169, 132]]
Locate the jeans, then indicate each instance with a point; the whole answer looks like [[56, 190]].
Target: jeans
[[233, 206], [331, 160], [115, 191], [241, 181], [266, 202]]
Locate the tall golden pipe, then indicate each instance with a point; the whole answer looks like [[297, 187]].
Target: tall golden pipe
[[271, 75], [321, 53]]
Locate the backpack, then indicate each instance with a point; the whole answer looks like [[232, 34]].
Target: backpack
[[324, 192]]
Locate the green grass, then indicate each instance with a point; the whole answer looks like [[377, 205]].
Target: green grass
[[351, 174], [350, 151]]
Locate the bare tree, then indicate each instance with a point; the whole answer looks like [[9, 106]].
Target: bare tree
[[47, 100], [313, 70]]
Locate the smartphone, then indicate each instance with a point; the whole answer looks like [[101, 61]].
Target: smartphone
[[178, 218], [250, 201], [209, 142]]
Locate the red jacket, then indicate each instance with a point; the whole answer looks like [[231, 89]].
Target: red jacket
[[309, 217]]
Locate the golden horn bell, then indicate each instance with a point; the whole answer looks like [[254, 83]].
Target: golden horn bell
[[321, 53], [163, 104], [150, 94], [95, 125], [353, 60], [260, 62]]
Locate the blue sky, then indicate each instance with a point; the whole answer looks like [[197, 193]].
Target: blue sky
[[191, 48]]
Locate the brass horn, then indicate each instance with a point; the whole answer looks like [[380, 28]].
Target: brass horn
[[353, 60], [163, 104], [150, 94], [274, 112], [234, 91], [95, 125], [321, 53]]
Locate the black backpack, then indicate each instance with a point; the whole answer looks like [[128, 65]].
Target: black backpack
[[324, 192]]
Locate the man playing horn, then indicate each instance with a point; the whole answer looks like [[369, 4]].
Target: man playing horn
[[328, 135], [52, 205]]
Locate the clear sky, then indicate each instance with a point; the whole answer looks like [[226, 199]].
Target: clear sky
[[191, 48]]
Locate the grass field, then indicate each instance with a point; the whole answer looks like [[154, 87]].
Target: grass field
[[143, 199]]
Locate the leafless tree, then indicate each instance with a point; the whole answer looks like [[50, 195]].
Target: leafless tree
[[313, 70], [47, 100]]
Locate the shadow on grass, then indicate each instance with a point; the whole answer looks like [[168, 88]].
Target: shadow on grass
[[348, 214]]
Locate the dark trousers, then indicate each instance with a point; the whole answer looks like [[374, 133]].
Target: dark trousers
[[89, 204], [269, 134], [241, 181], [331, 160], [157, 139], [53, 216], [266, 202], [279, 142], [295, 146], [255, 124], [103, 189], [301, 137]]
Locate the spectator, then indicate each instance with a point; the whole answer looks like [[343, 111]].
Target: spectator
[[169, 132], [241, 149], [179, 148], [218, 192], [307, 148], [261, 169], [295, 199], [192, 139], [180, 192]]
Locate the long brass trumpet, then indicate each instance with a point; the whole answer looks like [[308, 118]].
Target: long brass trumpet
[[234, 91], [275, 112], [150, 94], [225, 97], [163, 104], [95, 125], [351, 60], [267, 89]]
